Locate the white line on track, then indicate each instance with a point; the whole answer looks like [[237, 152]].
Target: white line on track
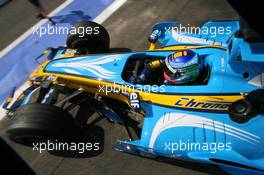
[[99, 19], [109, 11], [31, 30]]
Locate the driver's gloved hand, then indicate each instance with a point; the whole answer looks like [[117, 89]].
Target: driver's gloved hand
[[134, 80], [142, 78]]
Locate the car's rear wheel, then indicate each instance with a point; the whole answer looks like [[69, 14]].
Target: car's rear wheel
[[39, 123], [89, 36]]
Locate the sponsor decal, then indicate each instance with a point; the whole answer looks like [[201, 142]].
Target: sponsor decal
[[193, 103], [134, 101], [154, 36]]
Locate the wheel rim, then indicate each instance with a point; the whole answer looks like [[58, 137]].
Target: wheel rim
[[241, 108]]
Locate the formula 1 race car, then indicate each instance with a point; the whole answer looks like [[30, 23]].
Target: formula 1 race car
[[217, 119]]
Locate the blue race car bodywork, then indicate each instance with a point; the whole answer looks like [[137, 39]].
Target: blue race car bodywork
[[184, 122]]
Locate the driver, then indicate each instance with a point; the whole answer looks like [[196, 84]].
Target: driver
[[181, 67]]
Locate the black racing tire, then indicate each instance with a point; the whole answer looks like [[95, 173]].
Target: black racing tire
[[40, 122], [256, 96], [242, 111], [96, 40]]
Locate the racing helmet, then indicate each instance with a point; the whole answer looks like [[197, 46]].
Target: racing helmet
[[182, 67]]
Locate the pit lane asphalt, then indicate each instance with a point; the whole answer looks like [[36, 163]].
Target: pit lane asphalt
[[18, 16], [128, 27]]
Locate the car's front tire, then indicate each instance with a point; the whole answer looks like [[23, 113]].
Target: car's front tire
[[40, 122]]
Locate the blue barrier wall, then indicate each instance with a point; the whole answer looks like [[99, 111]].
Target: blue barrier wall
[[16, 65]]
